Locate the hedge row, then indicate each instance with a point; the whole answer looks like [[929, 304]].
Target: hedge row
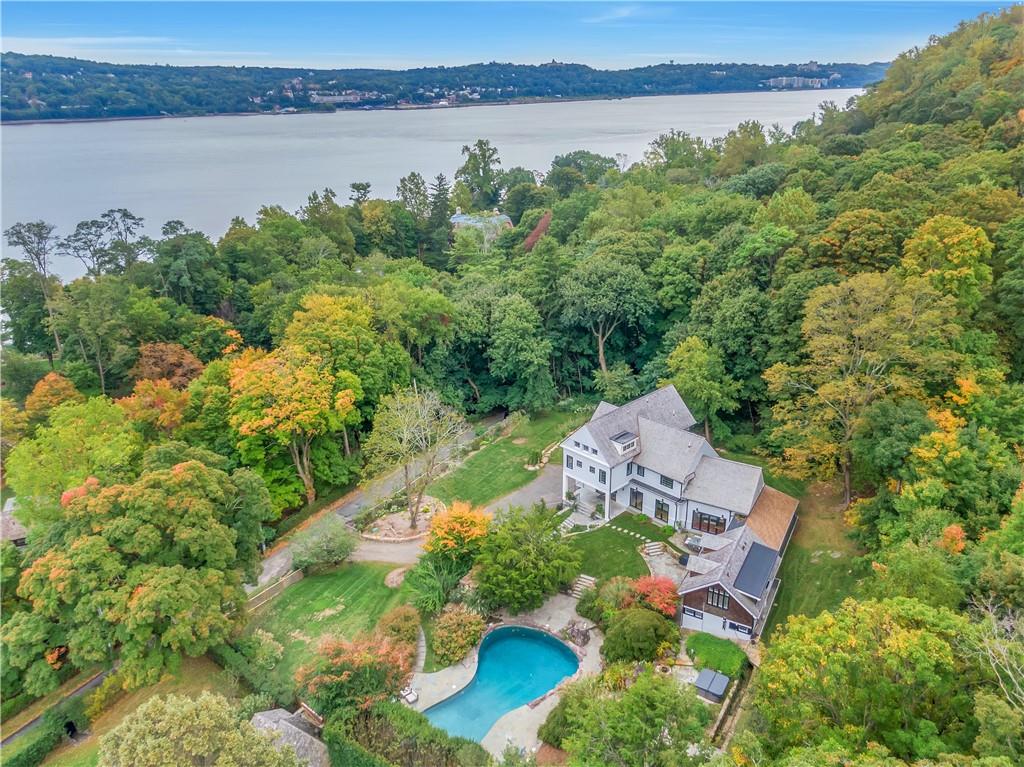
[[406, 738], [345, 752], [258, 679], [34, 746], [15, 704]]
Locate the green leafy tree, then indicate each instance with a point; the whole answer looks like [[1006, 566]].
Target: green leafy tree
[[647, 724], [638, 634], [954, 257], [521, 561], [925, 573], [190, 732], [889, 672], [479, 172], [87, 439], [328, 542], [150, 570], [412, 429], [520, 353], [698, 373], [603, 292]]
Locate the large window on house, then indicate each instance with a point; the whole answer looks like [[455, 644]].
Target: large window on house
[[718, 598], [665, 481], [636, 498], [661, 510], [602, 476], [708, 523], [568, 462]]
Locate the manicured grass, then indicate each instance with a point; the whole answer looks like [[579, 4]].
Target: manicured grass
[[788, 485], [194, 676], [645, 526], [607, 553], [818, 570], [430, 662], [342, 602], [712, 652], [497, 469]]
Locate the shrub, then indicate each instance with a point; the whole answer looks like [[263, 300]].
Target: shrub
[[713, 652], [456, 631], [15, 704], [637, 634], [457, 531], [234, 662], [658, 593], [252, 704], [365, 518], [589, 606], [327, 542], [343, 751], [617, 592], [433, 580], [109, 690], [406, 738], [262, 650], [354, 673], [400, 624]]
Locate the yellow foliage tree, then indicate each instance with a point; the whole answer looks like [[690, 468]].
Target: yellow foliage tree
[[458, 529]]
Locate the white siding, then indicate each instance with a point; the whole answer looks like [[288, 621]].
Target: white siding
[[714, 624], [582, 464]]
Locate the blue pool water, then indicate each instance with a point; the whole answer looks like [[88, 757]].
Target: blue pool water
[[516, 665]]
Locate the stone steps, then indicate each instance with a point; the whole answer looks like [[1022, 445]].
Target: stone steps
[[581, 584], [654, 548]]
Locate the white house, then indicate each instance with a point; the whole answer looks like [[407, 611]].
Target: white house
[[642, 457]]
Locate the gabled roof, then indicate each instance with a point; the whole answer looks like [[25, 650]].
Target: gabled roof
[[772, 516], [731, 560], [668, 450], [727, 484], [293, 730], [10, 528], [662, 406]]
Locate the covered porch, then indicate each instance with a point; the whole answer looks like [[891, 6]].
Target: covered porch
[[593, 501]]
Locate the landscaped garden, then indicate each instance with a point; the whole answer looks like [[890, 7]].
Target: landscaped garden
[[343, 602], [499, 468]]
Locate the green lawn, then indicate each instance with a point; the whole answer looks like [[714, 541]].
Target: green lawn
[[818, 570], [645, 526], [497, 469], [194, 676], [607, 553], [344, 601]]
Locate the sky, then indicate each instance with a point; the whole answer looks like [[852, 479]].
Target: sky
[[398, 35]]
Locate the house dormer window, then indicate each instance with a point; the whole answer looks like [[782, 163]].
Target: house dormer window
[[624, 441]]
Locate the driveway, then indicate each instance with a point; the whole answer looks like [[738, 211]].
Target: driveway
[[547, 487], [279, 562]]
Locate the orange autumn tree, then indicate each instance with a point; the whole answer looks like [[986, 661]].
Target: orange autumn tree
[[51, 390], [359, 673], [288, 398], [458, 530], [657, 592], [172, 362], [156, 405]]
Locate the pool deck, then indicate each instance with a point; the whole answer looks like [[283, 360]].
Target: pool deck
[[519, 726]]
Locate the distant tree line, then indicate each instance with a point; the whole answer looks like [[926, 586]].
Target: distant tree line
[[52, 87]]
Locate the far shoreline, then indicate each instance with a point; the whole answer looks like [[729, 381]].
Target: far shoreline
[[411, 107]]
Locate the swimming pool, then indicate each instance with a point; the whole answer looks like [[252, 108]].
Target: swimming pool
[[515, 665]]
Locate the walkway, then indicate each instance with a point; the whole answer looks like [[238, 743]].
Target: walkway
[[279, 562]]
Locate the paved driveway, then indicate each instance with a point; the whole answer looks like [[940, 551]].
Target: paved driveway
[[546, 487], [279, 562]]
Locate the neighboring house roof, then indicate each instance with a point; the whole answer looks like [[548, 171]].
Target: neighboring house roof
[[662, 406], [481, 220], [293, 730], [772, 516], [10, 528], [726, 484]]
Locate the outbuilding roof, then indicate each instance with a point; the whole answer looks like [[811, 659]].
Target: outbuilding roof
[[293, 730]]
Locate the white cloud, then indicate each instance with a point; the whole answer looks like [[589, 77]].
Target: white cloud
[[618, 13]]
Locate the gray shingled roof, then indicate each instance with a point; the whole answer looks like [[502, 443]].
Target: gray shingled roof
[[663, 406], [727, 484], [756, 571], [731, 560], [293, 730], [669, 450]]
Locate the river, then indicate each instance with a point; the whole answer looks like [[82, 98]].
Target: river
[[205, 170]]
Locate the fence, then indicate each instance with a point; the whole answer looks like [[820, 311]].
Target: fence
[[260, 598]]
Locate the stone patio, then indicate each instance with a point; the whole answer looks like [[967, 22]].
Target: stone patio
[[518, 726]]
